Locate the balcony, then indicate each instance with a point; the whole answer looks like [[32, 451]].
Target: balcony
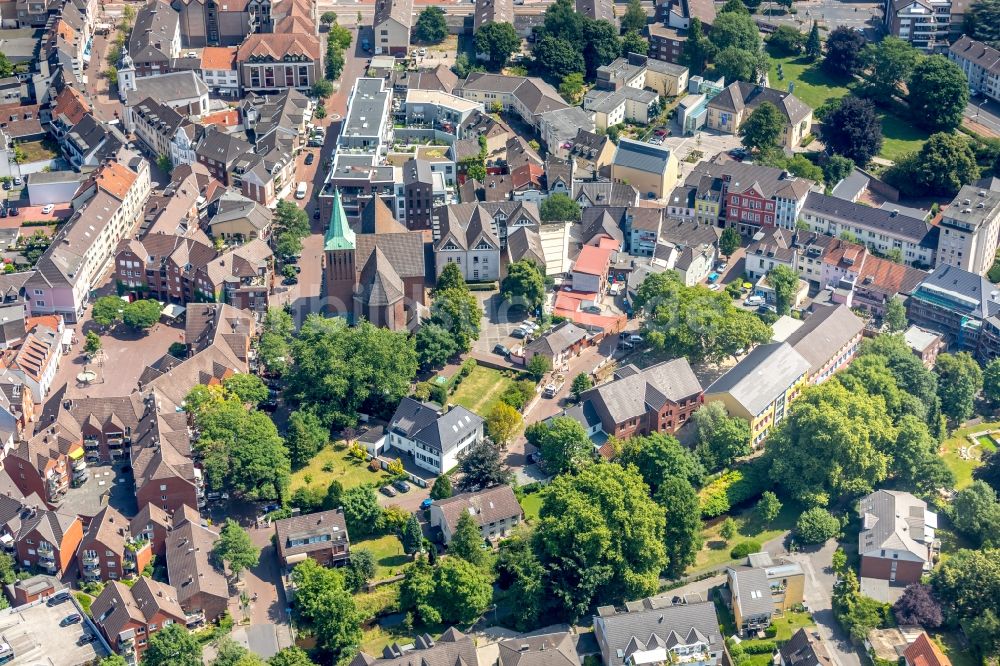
[[194, 619], [90, 561]]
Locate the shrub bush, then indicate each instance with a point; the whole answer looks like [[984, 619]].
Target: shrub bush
[[759, 647], [816, 526], [744, 548]]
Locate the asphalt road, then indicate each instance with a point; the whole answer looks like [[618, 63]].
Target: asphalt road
[[984, 111]]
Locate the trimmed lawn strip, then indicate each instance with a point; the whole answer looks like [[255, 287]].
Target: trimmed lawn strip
[[812, 85], [532, 505], [962, 469], [715, 549], [390, 559], [347, 470], [481, 389], [900, 138]]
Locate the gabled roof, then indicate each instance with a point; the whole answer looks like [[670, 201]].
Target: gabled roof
[[739, 95], [452, 648], [658, 628], [117, 605], [486, 506], [189, 566], [805, 648], [400, 11], [635, 391], [557, 649], [886, 221], [642, 156], [303, 527], [379, 283], [894, 520], [278, 46], [558, 340], [421, 422], [763, 374], [925, 652], [824, 333], [376, 218]]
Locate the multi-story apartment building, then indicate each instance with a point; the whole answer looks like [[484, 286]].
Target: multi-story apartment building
[[218, 68], [273, 62], [528, 97], [155, 41], [473, 246], [896, 542], [47, 540], [495, 511], [960, 305], [207, 23], [660, 398], [883, 231], [202, 590], [434, 438], [763, 404], [925, 24], [728, 109], [981, 64], [113, 201], [658, 630], [321, 536], [108, 550], [392, 24], [129, 616], [218, 151], [970, 230]]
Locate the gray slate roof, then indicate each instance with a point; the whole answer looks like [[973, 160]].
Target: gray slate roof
[[762, 374], [752, 591], [642, 156], [420, 421], [623, 633], [634, 390], [898, 226], [825, 331]]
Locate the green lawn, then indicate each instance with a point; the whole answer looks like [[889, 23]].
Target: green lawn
[[481, 389], [715, 549], [333, 463], [951, 448], [531, 504], [812, 85], [900, 138], [388, 551], [953, 648]]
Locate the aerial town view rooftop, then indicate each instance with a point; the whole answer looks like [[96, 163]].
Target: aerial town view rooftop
[[500, 332]]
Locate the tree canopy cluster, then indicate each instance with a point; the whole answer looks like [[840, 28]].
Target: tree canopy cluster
[[241, 448], [340, 371], [875, 420], [569, 42], [694, 322]]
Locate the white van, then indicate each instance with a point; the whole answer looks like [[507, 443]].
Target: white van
[[754, 300], [300, 191]]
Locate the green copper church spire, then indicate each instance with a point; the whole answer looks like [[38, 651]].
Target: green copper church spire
[[339, 235]]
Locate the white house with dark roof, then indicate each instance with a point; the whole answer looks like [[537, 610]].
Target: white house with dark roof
[[529, 97], [433, 439], [495, 510], [392, 23], [473, 246], [654, 632]]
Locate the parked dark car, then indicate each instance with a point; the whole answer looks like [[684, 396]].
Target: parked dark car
[[501, 349], [14, 211], [401, 486], [70, 619], [310, 158], [57, 599], [388, 491], [87, 638]]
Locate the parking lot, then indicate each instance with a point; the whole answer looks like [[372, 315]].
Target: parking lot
[[498, 322], [37, 638]]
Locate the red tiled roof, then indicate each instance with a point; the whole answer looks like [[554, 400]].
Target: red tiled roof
[[72, 104], [925, 652], [227, 118], [116, 179], [218, 57], [593, 260]]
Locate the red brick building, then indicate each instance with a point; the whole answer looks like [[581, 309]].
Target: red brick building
[[128, 617], [896, 542], [109, 551], [47, 540], [660, 398], [321, 536]]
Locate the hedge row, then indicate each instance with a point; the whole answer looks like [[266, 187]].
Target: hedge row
[[734, 488]]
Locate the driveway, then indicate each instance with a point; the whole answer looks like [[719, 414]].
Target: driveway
[[818, 596]]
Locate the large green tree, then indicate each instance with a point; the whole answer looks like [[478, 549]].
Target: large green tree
[[274, 344], [635, 17], [563, 443], [459, 313], [968, 585], [520, 572], [814, 46], [342, 371], [843, 52], [660, 456], [889, 63], [235, 548], [976, 514], [306, 436], [142, 314], [362, 512], [721, 438], [599, 537], [242, 450], [482, 467], [467, 541], [324, 609], [938, 91], [435, 345], [761, 131], [559, 207], [833, 444], [291, 656], [682, 520], [982, 22], [173, 645], [249, 389], [785, 282], [601, 44], [738, 64], [736, 30], [523, 285], [497, 40], [558, 58], [942, 166], [431, 27], [107, 310], [694, 322], [698, 49], [853, 129], [959, 380]]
